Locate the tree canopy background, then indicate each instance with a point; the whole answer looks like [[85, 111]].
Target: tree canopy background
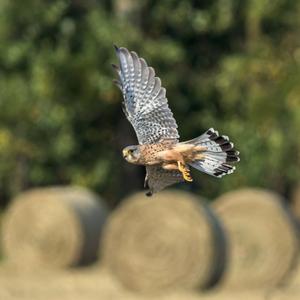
[[229, 64]]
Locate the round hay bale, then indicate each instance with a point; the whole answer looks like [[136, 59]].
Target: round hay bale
[[171, 240], [263, 244], [53, 227]]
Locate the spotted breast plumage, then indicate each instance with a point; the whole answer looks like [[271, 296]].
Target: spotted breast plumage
[[166, 159]]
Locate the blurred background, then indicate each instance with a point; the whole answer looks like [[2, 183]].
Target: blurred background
[[228, 64]]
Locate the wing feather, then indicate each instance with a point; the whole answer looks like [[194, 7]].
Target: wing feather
[[159, 178], [145, 102]]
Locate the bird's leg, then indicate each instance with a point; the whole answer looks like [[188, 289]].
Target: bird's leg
[[185, 171]]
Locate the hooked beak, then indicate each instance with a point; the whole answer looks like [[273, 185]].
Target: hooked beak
[[125, 153]]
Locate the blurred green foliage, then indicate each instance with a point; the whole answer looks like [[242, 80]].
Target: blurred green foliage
[[229, 64]]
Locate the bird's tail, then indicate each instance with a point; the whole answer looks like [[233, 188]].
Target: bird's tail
[[217, 151]]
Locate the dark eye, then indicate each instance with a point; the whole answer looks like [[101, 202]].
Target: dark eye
[[132, 151]]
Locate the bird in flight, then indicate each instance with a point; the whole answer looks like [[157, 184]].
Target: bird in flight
[[167, 160]]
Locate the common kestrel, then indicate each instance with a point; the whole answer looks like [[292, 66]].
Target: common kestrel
[[166, 159]]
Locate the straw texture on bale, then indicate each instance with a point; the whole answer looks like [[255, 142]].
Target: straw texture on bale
[[53, 227], [169, 241], [262, 238]]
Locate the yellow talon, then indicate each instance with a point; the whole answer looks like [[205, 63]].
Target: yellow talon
[[187, 177], [185, 171]]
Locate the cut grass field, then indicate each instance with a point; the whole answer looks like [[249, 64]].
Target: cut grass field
[[96, 284]]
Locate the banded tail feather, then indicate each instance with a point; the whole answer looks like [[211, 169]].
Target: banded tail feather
[[219, 152]]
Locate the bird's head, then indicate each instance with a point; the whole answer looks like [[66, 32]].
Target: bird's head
[[132, 154]]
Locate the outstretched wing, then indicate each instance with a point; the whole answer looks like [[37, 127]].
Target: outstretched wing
[[158, 178], [145, 103]]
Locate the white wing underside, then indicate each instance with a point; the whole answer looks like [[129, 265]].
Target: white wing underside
[[145, 102]]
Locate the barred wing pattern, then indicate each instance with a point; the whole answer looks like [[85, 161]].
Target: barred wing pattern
[[145, 103], [159, 178]]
